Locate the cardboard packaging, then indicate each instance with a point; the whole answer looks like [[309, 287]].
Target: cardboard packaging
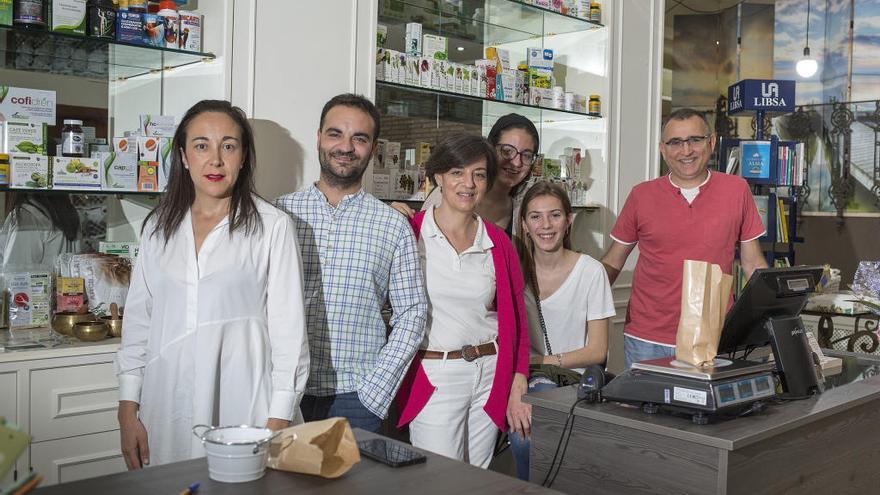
[[76, 174], [190, 31], [24, 137], [413, 39], [68, 16], [435, 47], [27, 105], [130, 27], [120, 171], [148, 148], [157, 125], [28, 171], [148, 180]]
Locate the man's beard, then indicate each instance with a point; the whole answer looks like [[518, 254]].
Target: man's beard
[[334, 179]]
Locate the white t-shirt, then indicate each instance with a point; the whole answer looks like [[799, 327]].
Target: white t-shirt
[[585, 295], [461, 289]]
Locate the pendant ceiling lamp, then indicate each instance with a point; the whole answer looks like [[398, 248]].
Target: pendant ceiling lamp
[[807, 66]]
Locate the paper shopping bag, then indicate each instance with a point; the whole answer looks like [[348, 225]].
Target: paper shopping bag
[[705, 290], [324, 448]]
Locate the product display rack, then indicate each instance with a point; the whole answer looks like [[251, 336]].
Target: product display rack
[[87, 56], [416, 114], [769, 187]]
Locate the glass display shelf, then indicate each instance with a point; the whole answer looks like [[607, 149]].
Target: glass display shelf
[[78, 191], [404, 98], [87, 57], [485, 22]]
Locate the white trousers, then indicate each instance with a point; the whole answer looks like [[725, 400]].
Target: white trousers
[[453, 422]]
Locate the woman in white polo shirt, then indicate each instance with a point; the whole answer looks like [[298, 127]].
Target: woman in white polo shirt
[[568, 321], [467, 380]]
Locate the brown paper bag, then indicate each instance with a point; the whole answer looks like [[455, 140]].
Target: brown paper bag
[[326, 448], [705, 290]]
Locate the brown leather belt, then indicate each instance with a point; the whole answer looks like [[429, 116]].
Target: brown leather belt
[[468, 352]]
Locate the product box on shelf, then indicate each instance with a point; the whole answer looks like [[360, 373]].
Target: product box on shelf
[[79, 174], [381, 35], [148, 180], [130, 27], [459, 78], [68, 16], [4, 172], [32, 290], [164, 163], [508, 86], [154, 30], [412, 70], [190, 36], [401, 68], [157, 125], [124, 249], [69, 293], [580, 103], [380, 63], [390, 66], [487, 72], [544, 4], [423, 151], [392, 155], [125, 144], [382, 184], [404, 184], [29, 171], [379, 160], [435, 47], [27, 105], [541, 97], [120, 171], [500, 56], [23, 137], [6, 12], [426, 73], [148, 148], [539, 58], [413, 39]]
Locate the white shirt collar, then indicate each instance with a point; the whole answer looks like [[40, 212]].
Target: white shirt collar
[[482, 242]]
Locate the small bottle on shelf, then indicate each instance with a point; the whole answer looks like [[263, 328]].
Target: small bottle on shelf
[[137, 6], [171, 19], [72, 138], [595, 12], [594, 106]]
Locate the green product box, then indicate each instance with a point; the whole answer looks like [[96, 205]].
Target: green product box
[[68, 16], [6, 12]]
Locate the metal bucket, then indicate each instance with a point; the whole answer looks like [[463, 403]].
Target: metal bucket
[[235, 453]]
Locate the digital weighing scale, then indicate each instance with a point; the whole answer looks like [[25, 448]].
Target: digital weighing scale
[[727, 387], [766, 313]]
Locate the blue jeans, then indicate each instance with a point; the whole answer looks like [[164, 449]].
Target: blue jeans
[[519, 446], [345, 405], [635, 350]]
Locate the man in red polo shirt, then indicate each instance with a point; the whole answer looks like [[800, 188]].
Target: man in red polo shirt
[[690, 214]]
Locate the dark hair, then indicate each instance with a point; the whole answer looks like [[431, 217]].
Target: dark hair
[[57, 207], [354, 101], [513, 121], [685, 114], [524, 245], [181, 193], [459, 150]]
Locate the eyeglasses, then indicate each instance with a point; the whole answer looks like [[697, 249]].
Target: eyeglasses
[[694, 141], [509, 152]]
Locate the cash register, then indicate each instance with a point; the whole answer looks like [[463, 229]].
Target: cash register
[[766, 313]]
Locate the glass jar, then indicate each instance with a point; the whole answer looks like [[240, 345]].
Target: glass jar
[[595, 12], [594, 106], [72, 138]]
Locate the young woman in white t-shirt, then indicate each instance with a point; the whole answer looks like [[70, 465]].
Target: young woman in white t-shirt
[[568, 320]]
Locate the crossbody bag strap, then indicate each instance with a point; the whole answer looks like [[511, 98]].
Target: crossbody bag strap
[[541, 316]]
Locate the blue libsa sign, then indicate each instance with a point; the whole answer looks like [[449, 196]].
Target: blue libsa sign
[[767, 95]]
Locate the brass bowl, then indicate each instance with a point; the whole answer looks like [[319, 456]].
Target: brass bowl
[[63, 322], [91, 331], [115, 325]]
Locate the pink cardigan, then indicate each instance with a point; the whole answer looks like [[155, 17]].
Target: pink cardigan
[[513, 336]]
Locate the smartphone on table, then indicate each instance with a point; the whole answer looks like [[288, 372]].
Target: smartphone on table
[[389, 452]]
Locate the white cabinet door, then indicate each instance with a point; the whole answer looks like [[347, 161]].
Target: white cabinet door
[[73, 400], [71, 459]]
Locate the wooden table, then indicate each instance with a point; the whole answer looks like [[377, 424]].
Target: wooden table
[[438, 475], [825, 444]]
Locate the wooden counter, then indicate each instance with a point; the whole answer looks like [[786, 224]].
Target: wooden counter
[[438, 475], [825, 444]]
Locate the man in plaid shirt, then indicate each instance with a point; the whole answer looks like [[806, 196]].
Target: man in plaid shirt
[[356, 252]]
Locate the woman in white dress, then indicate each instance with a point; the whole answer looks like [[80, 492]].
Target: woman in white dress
[[568, 298], [214, 328]]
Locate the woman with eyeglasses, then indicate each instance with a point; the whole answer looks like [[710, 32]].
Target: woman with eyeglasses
[[516, 143]]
